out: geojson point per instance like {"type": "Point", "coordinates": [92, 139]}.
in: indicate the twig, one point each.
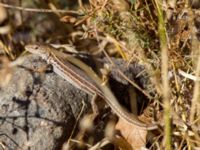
{"type": "Point", "coordinates": [38, 10]}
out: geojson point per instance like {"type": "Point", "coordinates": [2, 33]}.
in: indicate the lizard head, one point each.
{"type": "Point", "coordinates": [39, 49]}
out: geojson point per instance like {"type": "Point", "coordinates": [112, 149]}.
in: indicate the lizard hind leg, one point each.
{"type": "Point", "coordinates": [95, 108]}
{"type": "Point", "coordinates": [87, 122]}
{"type": "Point", "coordinates": [97, 104]}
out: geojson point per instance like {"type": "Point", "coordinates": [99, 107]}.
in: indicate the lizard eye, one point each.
{"type": "Point", "coordinates": [36, 47]}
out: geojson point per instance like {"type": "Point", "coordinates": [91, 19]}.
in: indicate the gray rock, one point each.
{"type": "Point", "coordinates": [37, 111]}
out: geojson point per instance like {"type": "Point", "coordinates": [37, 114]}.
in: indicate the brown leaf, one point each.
{"type": "Point", "coordinates": [134, 135]}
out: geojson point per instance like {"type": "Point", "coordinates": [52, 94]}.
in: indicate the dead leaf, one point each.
{"type": "Point", "coordinates": [134, 135]}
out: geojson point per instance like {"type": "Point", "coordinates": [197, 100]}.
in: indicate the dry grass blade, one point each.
{"type": "Point", "coordinates": [164, 70]}
{"type": "Point", "coordinates": [38, 10]}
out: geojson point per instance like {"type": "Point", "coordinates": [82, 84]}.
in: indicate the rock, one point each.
{"type": "Point", "coordinates": [38, 111]}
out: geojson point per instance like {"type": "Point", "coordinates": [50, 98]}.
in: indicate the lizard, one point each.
{"type": "Point", "coordinates": [80, 79]}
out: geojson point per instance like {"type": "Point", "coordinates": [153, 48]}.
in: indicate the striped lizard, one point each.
{"type": "Point", "coordinates": [85, 82]}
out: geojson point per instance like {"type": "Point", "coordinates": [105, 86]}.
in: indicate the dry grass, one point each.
{"type": "Point", "coordinates": [164, 37]}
